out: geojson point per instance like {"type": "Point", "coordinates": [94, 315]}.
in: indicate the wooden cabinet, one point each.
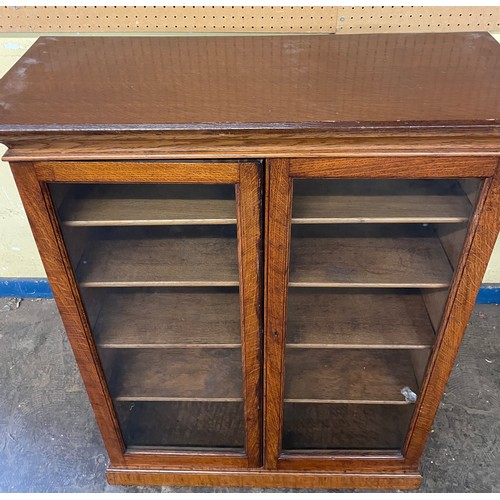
{"type": "Point", "coordinates": [165, 268]}
{"type": "Point", "coordinates": [270, 289]}
{"type": "Point", "coordinates": [364, 278]}
{"type": "Point", "coordinates": [168, 273]}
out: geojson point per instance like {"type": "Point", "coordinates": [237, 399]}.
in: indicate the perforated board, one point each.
{"type": "Point", "coordinates": [417, 19]}
{"type": "Point", "coordinates": [169, 19]}
{"type": "Point", "coordinates": [247, 19]}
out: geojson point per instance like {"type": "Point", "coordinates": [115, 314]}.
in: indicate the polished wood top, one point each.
{"type": "Point", "coordinates": [332, 82]}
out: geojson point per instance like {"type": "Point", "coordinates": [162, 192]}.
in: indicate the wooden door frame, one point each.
{"type": "Point", "coordinates": [32, 180]}
{"type": "Point", "coordinates": [481, 237]}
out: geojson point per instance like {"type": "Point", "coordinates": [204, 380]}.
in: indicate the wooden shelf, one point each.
{"type": "Point", "coordinates": [131, 257]}
{"type": "Point", "coordinates": [322, 427]}
{"type": "Point", "coordinates": [181, 424]}
{"type": "Point", "coordinates": [348, 376]}
{"type": "Point", "coordinates": [169, 318]}
{"type": "Point", "coordinates": [389, 201]}
{"type": "Point", "coordinates": [174, 374]}
{"type": "Point", "coordinates": [367, 319]}
{"type": "Point", "coordinates": [405, 256]}
{"type": "Point", "coordinates": [148, 205]}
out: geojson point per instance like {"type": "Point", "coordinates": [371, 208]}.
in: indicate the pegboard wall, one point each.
{"type": "Point", "coordinates": [85, 19]}
{"type": "Point", "coordinates": [168, 19]}
{"type": "Point", "coordinates": [417, 19]}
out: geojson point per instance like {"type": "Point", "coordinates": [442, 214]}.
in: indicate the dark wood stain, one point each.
{"type": "Point", "coordinates": [395, 201]}
{"type": "Point", "coordinates": [373, 376]}
{"type": "Point", "coordinates": [144, 425]}
{"type": "Point", "coordinates": [378, 255]}
{"type": "Point", "coordinates": [159, 256]}
{"type": "Point", "coordinates": [204, 317]}
{"type": "Point", "coordinates": [199, 111]}
{"type": "Point", "coordinates": [261, 83]}
{"type": "Point", "coordinates": [148, 205]}
{"type": "Point", "coordinates": [281, 173]}
{"type": "Point", "coordinates": [327, 428]}
{"type": "Point", "coordinates": [173, 374]}
{"type": "Point", "coordinates": [364, 318]}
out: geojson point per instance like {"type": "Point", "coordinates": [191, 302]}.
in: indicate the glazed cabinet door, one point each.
{"type": "Point", "coordinates": [365, 259]}
{"type": "Point", "coordinates": [161, 299]}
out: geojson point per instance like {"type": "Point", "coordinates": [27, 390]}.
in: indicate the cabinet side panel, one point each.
{"type": "Point", "coordinates": [278, 216]}
{"type": "Point", "coordinates": [40, 214]}
{"type": "Point", "coordinates": [481, 239]}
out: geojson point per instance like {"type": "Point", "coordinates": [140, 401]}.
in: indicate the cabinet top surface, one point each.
{"type": "Point", "coordinates": [253, 82]}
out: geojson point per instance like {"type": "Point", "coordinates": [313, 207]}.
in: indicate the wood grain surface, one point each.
{"type": "Point", "coordinates": [260, 83]}
{"type": "Point", "coordinates": [42, 219]}
{"type": "Point", "coordinates": [277, 253]}
{"type": "Point", "coordinates": [164, 257]}
{"type": "Point", "coordinates": [174, 374]}
{"type": "Point", "coordinates": [148, 205]}
{"type": "Point", "coordinates": [409, 479]}
{"type": "Point", "coordinates": [357, 319]}
{"type": "Point", "coordinates": [280, 174]}
{"type": "Point", "coordinates": [320, 201]}
{"type": "Point", "coordinates": [391, 168]}
{"type": "Point", "coordinates": [435, 302]}
{"type": "Point", "coordinates": [353, 142]}
{"type": "Point", "coordinates": [179, 172]}
{"type": "Point", "coordinates": [250, 257]}
{"type": "Point", "coordinates": [481, 238]}
{"type": "Point", "coordinates": [347, 376]}
{"type": "Point", "coordinates": [362, 255]}
{"type": "Point", "coordinates": [182, 425]}
{"type": "Point", "coordinates": [205, 318]}
{"type": "Point", "coordinates": [419, 106]}
{"type": "Point", "coordinates": [330, 428]}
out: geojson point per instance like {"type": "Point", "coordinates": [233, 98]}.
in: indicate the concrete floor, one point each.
{"type": "Point", "coordinates": [49, 440]}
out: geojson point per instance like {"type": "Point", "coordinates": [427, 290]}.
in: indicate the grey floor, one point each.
{"type": "Point", "coordinates": [49, 441]}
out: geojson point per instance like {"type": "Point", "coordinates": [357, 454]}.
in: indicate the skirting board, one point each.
{"type": "Point", "coordinates": [39, 288]}
{"type": "Point", "coordinates": [489, 294]}
{"type": "Point", "coordinates": [24, 288]}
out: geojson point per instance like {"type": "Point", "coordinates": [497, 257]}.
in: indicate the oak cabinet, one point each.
{"type": "Point", "coordinates": [260, 304]}
{"type": "Point", "coordinates": [168, 274]}
{"type": "Point", "coordinates": [363, 277]}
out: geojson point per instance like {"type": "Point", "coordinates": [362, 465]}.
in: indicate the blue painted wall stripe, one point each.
{"type": "Point", "coordinates": [40, 289]}
{"type": "Point", "coordinates": [25, 288]}
{"type": "Point", "coordinates": [489, 294]}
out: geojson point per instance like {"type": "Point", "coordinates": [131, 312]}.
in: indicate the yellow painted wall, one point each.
{"type": "Point", "coordinates": [18, 253]}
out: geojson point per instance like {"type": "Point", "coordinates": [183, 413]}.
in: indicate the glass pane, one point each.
{"type": "Point", "coordinates": [157, 268]}
{"type": "Point", "coordinates": [328, 427]}
{"type": "Point", "coordinates": [371, 263]}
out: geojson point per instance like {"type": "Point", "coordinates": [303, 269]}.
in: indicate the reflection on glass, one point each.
{"type": "Point", "coordinates": [371, 263]}
{"type": "Point", "coordinates": [157, 269]}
